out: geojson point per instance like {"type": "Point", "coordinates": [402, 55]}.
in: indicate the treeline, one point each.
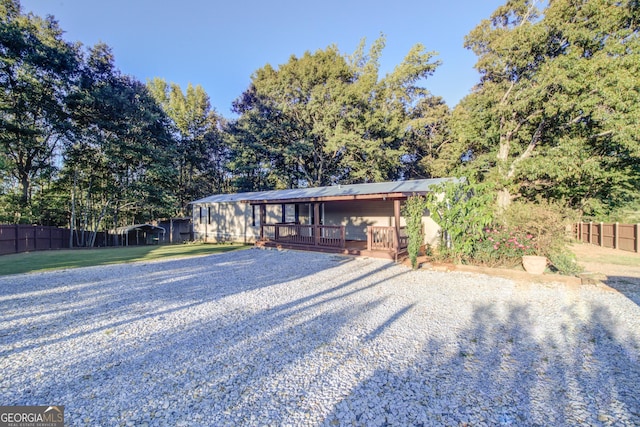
{"type": "Point", "coordinates": [555, 115]}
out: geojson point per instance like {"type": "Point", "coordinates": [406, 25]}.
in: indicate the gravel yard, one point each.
{"type": "Point", "coordinates": [259, 337]}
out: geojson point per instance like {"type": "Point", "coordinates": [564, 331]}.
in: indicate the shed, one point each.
{"type": "Point", "coordinates": [177, 230]}
{"type": "Point", "coordinates": [139, 234]}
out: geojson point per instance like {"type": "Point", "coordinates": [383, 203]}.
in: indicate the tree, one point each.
{"type": "Point", "coordinates": [428, 133]}
{"type": "Point", "coordinates": [118, 162]}
{"type": "Point", "coordinates": [37, 68]}
{"type": "Point", "coordinates": [325, 118]}
{"type": "Point", "coordinates": [554, 112]}
{"type": "Point", "coordinates": [201, 153]}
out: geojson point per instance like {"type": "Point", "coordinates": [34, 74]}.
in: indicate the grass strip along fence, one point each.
{"type": "Point", "coordinates": [73, 258]}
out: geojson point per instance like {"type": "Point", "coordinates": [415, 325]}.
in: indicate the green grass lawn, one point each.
{"type": "Point", "coordinates": [73, 258]}
{"type": "Point", "coordinates": [593, 253]}
{"type": "Point", "coordinates": [621, 259]}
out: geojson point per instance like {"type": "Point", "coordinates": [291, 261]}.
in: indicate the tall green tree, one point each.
{"type": "Point", "coordinates": [555, 112]}
{"type": "Point", "coordinates": [327, 118]}
{"type": "Point", "coordinates": [37, 69]}
{"type": "Point", "coordinates": [427, 134]}
{"type": "Point", "coordinates": [118, 163]}
{"type": "Point", "coordinates": [201, 151]}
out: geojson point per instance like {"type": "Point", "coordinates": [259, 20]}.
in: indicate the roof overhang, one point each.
{"type": "Point", "coordinates": [341, 198]}
{"type": "Point", "coordinates": [396, 190]}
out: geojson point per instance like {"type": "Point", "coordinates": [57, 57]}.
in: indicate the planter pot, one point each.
{"type": "Point", "coordinates": [534, 264]}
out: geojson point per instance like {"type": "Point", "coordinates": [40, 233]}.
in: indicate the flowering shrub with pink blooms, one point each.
{"type": "Point", "coordinates": [503, 247]}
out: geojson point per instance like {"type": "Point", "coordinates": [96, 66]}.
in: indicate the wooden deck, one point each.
{"type": "Point", "coordinates": [352, 247]}
{"type": "Point", "coordinates": [381, 241]}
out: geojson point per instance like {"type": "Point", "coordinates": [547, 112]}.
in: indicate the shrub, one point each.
{"type": "Point", "coordinates": [502, 246]}
{"type": "Point", "coordinates": [413, 210]}
{"type": "Point", "coordinates": [565, 263]}
{"type": "Point", "coordinates": [548, 224]}
{"type": "Point", "coordinates": [545, 221]}
{"type": "Point", "coordinates": [462, 210]}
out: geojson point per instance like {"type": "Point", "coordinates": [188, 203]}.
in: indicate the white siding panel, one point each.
{"type": "Point", "coordinates": [225, 222]}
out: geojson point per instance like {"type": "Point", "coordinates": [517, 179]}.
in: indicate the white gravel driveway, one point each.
{"type": "Point", "coordinates": [259, 337]}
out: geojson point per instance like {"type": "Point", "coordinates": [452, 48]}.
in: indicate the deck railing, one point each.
{"type": "Point", "coordinates": [333, 236]}
{"type": "Point", "coordinates": [305, 234]}
{"type": "Point", "coordinates": [384, 239]}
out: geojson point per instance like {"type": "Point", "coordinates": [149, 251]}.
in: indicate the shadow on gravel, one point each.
{"type": "Point", "coordinates": [113, 296]}
{"type": "Point", "coordinates": [501, 372]}
{"type": "Point", "coordinates": [230, 350]}
{"type": "Point", "coordinates": [628, 286]}
{"type": "Point", "coordinates": [172, 349]}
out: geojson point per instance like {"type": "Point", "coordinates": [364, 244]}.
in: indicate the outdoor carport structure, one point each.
{"type": "Point", "coordinates": [139, 234]}
{"type": "Point", "coordinates": [360, 219]}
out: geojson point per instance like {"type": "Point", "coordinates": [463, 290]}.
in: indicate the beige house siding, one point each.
{"type": "Point", "coordinates": [356, 216]}
{"type": "Point", "coordinates": [230, 221]}
{"type": "Point", "coordinates": [431, 231]}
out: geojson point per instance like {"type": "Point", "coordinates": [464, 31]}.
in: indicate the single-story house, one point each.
{"type": "Point", "coordinates": [356, 219]}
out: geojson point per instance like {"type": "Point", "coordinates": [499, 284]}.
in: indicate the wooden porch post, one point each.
{"type": "Point", "coordinates": [316, 223]}
{"type": "Point", "coordinates": [263, 215]}
{"type": "Point", "coordinates": [396, 215]}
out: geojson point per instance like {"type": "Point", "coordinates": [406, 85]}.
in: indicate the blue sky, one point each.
{"type": "Point", "coordinates": [219, 44]}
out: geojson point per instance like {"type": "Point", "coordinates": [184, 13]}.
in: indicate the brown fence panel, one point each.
{"type": "Point", "coordinates": [59, 238]}
{"type": "Point", "coordinates": [608, 236]}
{"type": "Point", "coordinates": [625, 237]}
{"type": "Point", "coordinates": [584, 235]}
{"type": "Point", "coordinates": [26, 240]}
{"type": "Point", "coordinates": [8, 235]}
{"type": "Point", "coordinates": [43, 238]}
{"type": "Point", "coordinates": [595, 234]}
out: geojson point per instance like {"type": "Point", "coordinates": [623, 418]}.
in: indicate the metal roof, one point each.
{"type": "Point", "coordinates": [334, 192]}
{"type": "Point", "coordinates": [141, 227]}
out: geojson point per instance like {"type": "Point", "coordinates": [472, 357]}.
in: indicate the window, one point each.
{"type": "Point", "coordinates": [253, 215]}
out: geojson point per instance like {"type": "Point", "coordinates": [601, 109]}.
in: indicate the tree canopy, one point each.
{"type": "Point", "coordinates": [555, 114]}
{"type": "Point", "coordinates": [327, 118]}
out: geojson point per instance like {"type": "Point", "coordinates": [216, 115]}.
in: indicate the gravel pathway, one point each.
{"type": "Point", "coordinates": [261, 337]}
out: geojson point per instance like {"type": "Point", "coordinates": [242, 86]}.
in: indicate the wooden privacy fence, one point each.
{"type": "Point", "coordinates": [625, 237]}
{"type": "Point", "coordinates": [15, 238]}
{"type": "Point", "coordinates": [26, 238]}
